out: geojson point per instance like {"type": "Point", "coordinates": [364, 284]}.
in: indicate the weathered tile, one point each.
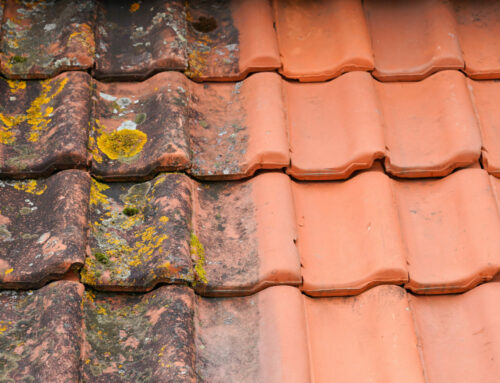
{"type": "Point", "coordinates": [367, 338]}
{"type": "Point", "coordinates": [43, 38]}
{"type": "Point", "coordinates": [323, 39]}
{"type": "Point", "coordinates": [238, 128]}
{"type": "Point", "coordinates": [139, 338]}
{"type": "Point", "coordinates": [43, 228]}
{"type": "Point", "coordinates": [478, 24]}
{"type": "Point", "coordinates": [460, 335]}
{"type": "Point", "coordinates": [140, 234]}
{"type": "Point", "coordinates": [451, 228]}
{"type": "Point", "coordinates": [412, 39]}
{"type": "Point", "coordinates": [349, 235]}
{"type": "Point", "coordinates": [136, 39]}
{"type": "Point", "coordinates": [246, 235]}
{"type": "Point", "coordinates": [260, 338]}
{"type": "Point", "coordinates": [335, 128]}
{"type": "Point", "coordinates": [230, 38]}
{"type": "Point", "coordinates": [431, 126]}
{"type": "Point", "coordinates": [41, 333]}
{"type": "Point", "coordinates": [44, 125]}
{"type": "Point", "coordinates": [139, 129]}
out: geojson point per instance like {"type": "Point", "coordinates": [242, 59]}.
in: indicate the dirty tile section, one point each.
{"type": "Point", "coordinates": [323, 39]}
{"type": "Point", "coordinates": [138, 338]}
{"type": "Point", "coordinates": [43, 38]}
{"type": "Point", "coordinates": [136, 39]}
{"type": "Point", "coordinates": [44, 125]}
{"type": "Point", "coordinates": [349, 235]}
{"type": "Point", "coordinates": [245, 231]}
{"type": "Point", "coordinates": [139, 234]}
{"type": "Point", "coordinates": [40, 334]}
{"type": "Point", "coordinates": [43, 227]}
{"type": "Point", "coordinates": [459, 335]}
{"type": "Point", "coordinates": [228, 39]}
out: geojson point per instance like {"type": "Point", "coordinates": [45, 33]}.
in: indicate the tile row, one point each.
{"type": "Point", "coordinates": [132, 131]}
{"type": "Point", "coordinates": [227, 39]}
{"type": "Point", "coordinates": [235, 238]}
{"type": "Point", "coordinates": [277, 335]}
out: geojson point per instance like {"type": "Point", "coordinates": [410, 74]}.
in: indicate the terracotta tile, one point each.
{"type": "Point", "coordinates": [139, 234]}
{"type": "Point", "coordinates": [459, 335]}
{"type": "Point", "coordinates": [230, 38]}
{"type": "Point", "coordinates": [478, 23]}
{"type": "Point", "coordinates": [41, 39]}
{"type": "Point", "coordinates": [451, 228]}
{"type": "Point", "coordinates": [238, 128]}
{"type": "Point", "coordinates": [368, 338]}
{"type": "Point", "coordinates": [139, 129]}
{"type": "Point", "coordinates": [484, 94]}
{"type": "Point", "coordinates": [43, 125]}
{"type": "Point", "coordinates": [42, 228]}
{"type": "Point", "coordinates": [247, 233]}
{"type": "Point", "coordinates": [132, 338]}
{"type": "Point", "coordinates": [136, 39]}
{"type": "Point", "coordinates": [40, 333]}
{"type": "Point", "coordinates": [349, 235]}
{"type": "Point", "coordinates": [412, 39]}
{"type": "Point", "coordinates": [335, 128]}
{"type": "Point", "coordinates": [321, 40]}
{"type": "Point", "coordinates": [431, 127]}
{"type": "Point", "coordinates": [260, 338]}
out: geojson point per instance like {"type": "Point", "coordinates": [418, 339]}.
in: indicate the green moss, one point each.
{"type": "Point", "coordinates": [130, 211]}
{"type": "Point", "coordinates": [101, 257]}
{"type": "Point", "coordinates": [139, 119]}
{"type": "Point", "coordinates": [18, 59]}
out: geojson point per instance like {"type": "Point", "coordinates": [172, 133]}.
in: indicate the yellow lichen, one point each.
{"type": "Point", "coordinates": [8, 271]}
{"type": "Point", "coordinates": [121, 144]}
{"type": "Point", "coordinates": [30, 186]}
{"type": "Point", "coordinates": [198, 251]}
{"type": "Point", "coordinates": [15, 86]}
{"type": "Point", "coordinates": [96, 195]}
{"type": "Point", "coordinates": [163, 219]}
{"type": "Point", "coordinates": [84, 36]}
{"type": "Point", "coordinates": [134, 7]}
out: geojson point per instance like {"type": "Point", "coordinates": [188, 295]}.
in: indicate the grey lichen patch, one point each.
{"type": "Point", "coordinates": [5, 234]}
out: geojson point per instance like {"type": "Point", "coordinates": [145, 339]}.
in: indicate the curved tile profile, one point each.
{"type": "Point", "coordinates": [43, 38]}
{"type": "Point", "coordinates": [349, 235]}
{"type": "Point", "coordinates": [44, 125]}
{"type": "Point", "coordinates": [375, 329]}
{"type": "Point", "coordinates": [43, 228]}
{"type": "Point", "coordinates": [478, 24]}
{"type": "Point", "coordinates": [137, 39]}
{"type": "Point", "coordinates": [334, 128]}
{"type": "Point", "coordinates": [411, 40]}
{"type": "Point", "coordinates": [40, 333]}
{"type": "Point", "coordinates": [321, 40]}
{"type": "Point", "coordinates": [132, 338]}
{"type": "Point", "coordinates": [450, 227]}
{"type": "Point", "coordinates": [460, 335]}
{"type": "Point", "coordinates": [431, 126]}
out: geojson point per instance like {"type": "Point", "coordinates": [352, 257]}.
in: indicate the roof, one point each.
{"type": "Point", "coordinates": [249, 191]}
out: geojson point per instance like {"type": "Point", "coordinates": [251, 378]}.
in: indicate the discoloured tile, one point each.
{"type": "Point", "coordinates": [322, 39]}
{"type": "Point", "coordinates": [43, 38]}
{"type": "Point", "coordinates": [136, 39]}
{"type": "Point", "coordinates": [139, 129]}
{"type": "Point", "coordinates": [140, 234]}
{"type": "Point", "coordinates": [43, 228]}
{"type": "Point", "coordinates": [139, 338]}
{"type": "Point", "coordinates": [41, 334]}
{"type": "Point", "coordinates": [44, 125]}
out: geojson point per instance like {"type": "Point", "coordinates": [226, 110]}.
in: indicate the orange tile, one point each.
{"type": "Point", "coordinates": [478, 24]}
{"type": "Point", "coordinates": [412, 39]}
{"type": "Point", "coordinates": [322, 39]}
{"type": "Point", "coordinates": [335, 128]}
{"type": "Point", "coordinates": [485, 95]}
{"type": "Point", "coordinates": [369, 338]}
{"type": "Point", "coordinates": [451, 228]}
{"type": "Point", "coordinates": [349, 235]}
{"type": "Point", "coordinates": [431, 127]}
{"type": "Point", "coordinates": [460, 335]}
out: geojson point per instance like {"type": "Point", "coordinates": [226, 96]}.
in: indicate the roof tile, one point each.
{"type": "Point", "coordinates": [321, 40]}
{"type": "Point", "coordinates": [43, 228]}
{"type": "Point", "coordinates": [412, 39]}
{"type": "Point", "coordinates": [41, 39]}
{"type": "Point", "coordinates": [45, 125]}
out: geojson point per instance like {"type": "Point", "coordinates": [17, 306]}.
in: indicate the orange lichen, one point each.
{"type": "Point", "coordinates": [134, 7]}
